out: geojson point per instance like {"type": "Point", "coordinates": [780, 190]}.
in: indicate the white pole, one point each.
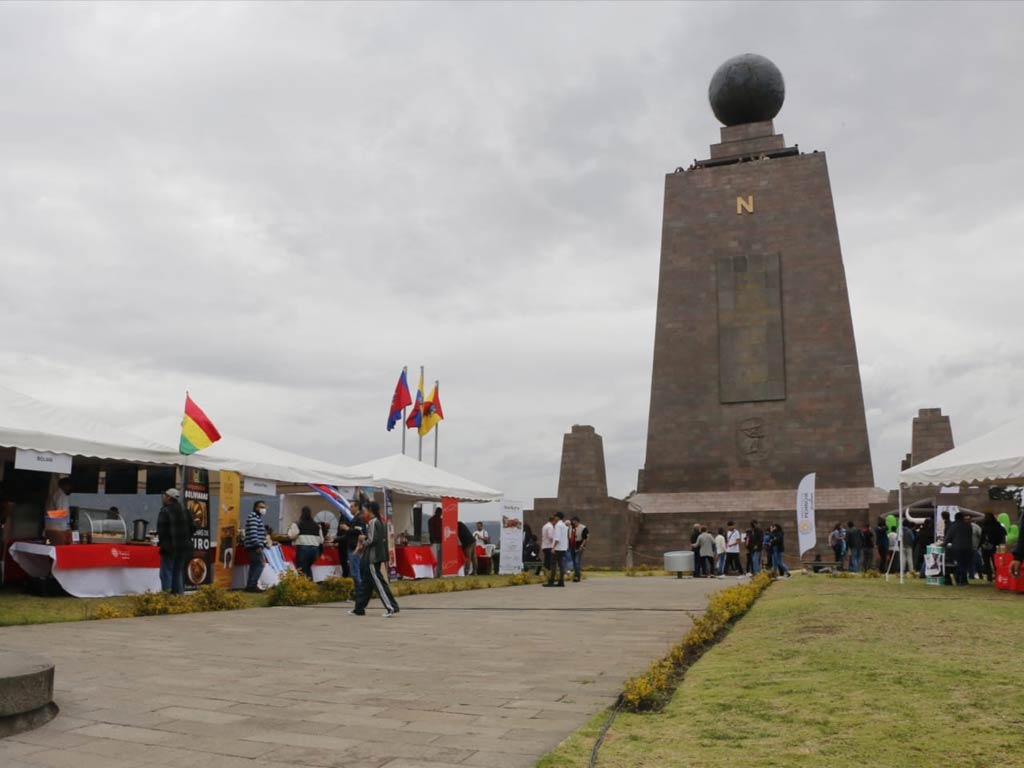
{"type": "Point", "coordinates": [422, 394]}
{"type": "Point", "coordinates": [405, 370]}
{"type": "Point", "coordinates": [899, 538]}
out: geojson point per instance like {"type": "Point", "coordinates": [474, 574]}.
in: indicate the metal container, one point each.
{"type": "Point", "coordinates": [679, 562]}
{"type": "Point", "coordinates": [139, 527]}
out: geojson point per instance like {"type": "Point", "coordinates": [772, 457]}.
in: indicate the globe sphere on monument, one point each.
{"type": "Point", "coordinates": [746, 89]}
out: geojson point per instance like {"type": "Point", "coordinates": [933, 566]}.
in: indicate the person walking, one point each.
{"type": "Point", "coordinates": [547, 540]}
{"type": "Point", "coordinates": [698, 564]}
{"type": "Point", "coordinates": [837, 540]}
{"type": "Point", "coordinates": [468, 544]}
{"type": "Point", "coordinates": [855, 544]}
{"type": "Point", "coordinates": [435, 530]}
{"type": "Point", "coordinates": [868, 537]}
{"type": "Point", "coordinates": [732, 549]}
{"type": "Point", "coordinates": [375, 547]}
{"type": "Point", "coordinates": [560, 545]}
{"type": "Point", "coordinates": [175, 527]}
{"type": "Point", "coordinates": [706, 548]}
{"type": "Point", "coordinates": [308, 538]}
{"type": "Point", "coordinates": [720, 554]}
{"type": "Point", "coordinates": [958, 547]}
{"type": "Point", "coordinates": [255, 538]}
{"type": "Point", "coordinates": [882, 542]}
{"type": "Point", "coordinates": [578, 535]}
{"type": "Point", "coordinates": [779, 552]}
{"type": "Point", "coordinates": [993, 535]}
{"type": "Point", "coordinates": [755, 543]}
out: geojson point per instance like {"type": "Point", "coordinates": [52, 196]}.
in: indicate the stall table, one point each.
{"type": "Point", "coordinates": [92, 570]}
{"type": "Point", "coordinates": [415, 562]}
{"type": "Point", "coordinates": [107, 570]}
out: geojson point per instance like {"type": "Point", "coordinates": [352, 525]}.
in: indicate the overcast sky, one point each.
{"type": "Point", "coordinates": [278, 206]}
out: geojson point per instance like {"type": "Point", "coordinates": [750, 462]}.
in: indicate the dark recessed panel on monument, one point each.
{"type": "Point", "coordinates": [755, 380]}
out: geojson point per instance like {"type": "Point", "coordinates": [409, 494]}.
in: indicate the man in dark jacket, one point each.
{"type": "Point", "coordinates": [755, 543]}
{"type": "Point", "coordinates": [174, 526]}
{"type": "Point", "coordinates": [375, 555]}
{"type": "Point", "coordinates": [855, 542]}
{"type": "Point", "coordinates": [958, 541]}
{"type": "Point", "coordinates": [882, 542]}
{"type": "Point", "coordinates": [435, 528]}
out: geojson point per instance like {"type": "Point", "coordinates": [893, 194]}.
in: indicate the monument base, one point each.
{"type": "Point", "coordinates": [667, 519]}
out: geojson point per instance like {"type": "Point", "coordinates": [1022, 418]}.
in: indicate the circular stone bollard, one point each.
{"type": "Point", "coordinates": [679, 562]}
{"type": "Point", "coordinates": [26, 692]}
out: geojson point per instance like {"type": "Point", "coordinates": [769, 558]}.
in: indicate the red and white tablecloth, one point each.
{"type": "Point", "coordinates": [106, 570]}
{"type": "Point", "coordinates": [93, 570]}
{"type": "Point", "coordinates": [415, 562]}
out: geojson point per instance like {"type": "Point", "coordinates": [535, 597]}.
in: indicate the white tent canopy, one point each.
{"type": "Point", "coordinates": [253, 459]}
{"type": "Point", "coordinates": [31, 424]}
{"type": "Point", "coordinates": [999, 455]}
{"type": "Point", "coordinates": [416, 478]}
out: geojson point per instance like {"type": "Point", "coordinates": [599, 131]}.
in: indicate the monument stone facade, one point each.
{"type": "Point", "coordinates": [755, 376]}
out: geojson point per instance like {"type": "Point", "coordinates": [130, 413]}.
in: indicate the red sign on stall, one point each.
{"type": "Point", "coordinates": [450, 549]}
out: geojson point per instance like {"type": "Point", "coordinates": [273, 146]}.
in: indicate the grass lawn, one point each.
{"type": "Point", "coordinates": [840, 672]}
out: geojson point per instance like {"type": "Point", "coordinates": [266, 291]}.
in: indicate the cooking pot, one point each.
{"type": "Point", "coordinates": [139, 529]}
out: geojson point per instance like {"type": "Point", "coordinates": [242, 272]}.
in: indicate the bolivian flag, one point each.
{"type": "Point", "coordinates": [197, 431]}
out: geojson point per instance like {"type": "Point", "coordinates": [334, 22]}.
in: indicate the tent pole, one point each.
{"type": "Point", "coordinates": [900, 537]}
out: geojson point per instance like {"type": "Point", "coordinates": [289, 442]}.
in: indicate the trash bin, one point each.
{"type": "Point", "coordinates": [679, 563]}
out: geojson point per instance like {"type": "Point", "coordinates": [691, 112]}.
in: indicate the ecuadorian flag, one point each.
{"type": "Point", "coordinates": [197, 431]}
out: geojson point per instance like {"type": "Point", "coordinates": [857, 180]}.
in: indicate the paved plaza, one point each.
{"type": "Point", "coordinates": [487, 678]}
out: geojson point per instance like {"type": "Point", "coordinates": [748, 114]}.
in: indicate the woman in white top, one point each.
{"type": "Point", "coordinates": [308, 539]}
{"type": "Point", "coordinates": [720, 554]}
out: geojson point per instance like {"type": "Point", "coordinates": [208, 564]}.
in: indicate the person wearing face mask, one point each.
{"type": "Point", "coordinates": [255, 536]}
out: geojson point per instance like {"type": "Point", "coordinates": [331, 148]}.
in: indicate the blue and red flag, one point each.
{"type": "Point", "coordinates": [416, 417]}
{"type": "Point", "coordinates": [334, 495]}
{"type": "Point", "coordinates": [399, 401]}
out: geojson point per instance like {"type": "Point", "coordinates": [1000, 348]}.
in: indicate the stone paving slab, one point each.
{"type": "Point", "coordinates": [487, 678]}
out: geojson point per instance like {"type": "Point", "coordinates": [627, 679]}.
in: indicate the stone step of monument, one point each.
{"type": "Point", "coordinates": [26, 692]}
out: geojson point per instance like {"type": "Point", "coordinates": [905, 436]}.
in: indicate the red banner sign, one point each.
{"type": "Point", "coordinates": [450, 549]}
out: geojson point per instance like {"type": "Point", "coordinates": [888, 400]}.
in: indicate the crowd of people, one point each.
{"type": "Point", "coordinates": [717, 555]}
{"type": "Point", "coordinates": [969, 541]}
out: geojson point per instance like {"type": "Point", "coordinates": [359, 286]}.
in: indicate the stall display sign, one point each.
{"type": "Point", "coordinates": [511, 537]}
{"type": "Point", "coordinates": [389, 522]}
{"type": "Point", "coordinates": [259, 487]}
{"type": "Point", "coordinates": [42, 461]}
{"type": "Point", "coordinates": [230, 501]}
{"type": "Point", "coordinates": [450, 549]}
{"type": "Point", "coordinates": [197, 503]}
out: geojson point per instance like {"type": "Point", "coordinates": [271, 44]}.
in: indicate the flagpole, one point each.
{"type": "Point", "coordinates": [421, 417]}
{"type": "Point", "coordinates": [405, 370]}
{"type": "Point", "coordinates": [437, 427]}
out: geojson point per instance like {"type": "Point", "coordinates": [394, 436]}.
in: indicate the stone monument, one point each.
{"type": "Point", "coordinates": [583, 491]}
{"type": "Point", "coordinates": [755, 378]}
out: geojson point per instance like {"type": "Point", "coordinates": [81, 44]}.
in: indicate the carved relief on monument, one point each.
{"type": "Point", "coordinates": [751, 359]}
{"type": "Point", "coordinates": [752, 440]}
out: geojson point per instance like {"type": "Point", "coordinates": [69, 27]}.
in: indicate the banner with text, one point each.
{"type": "Point", "coordinates": [450, 536]}
{"type": "Point", "coordinates": [805, 514]}
{"type": "Point", "coordinates": [511, 537]}
{"type": "Point", "coordinates": [227, 528]}
{"type": "Point", "coordinates": [197, 504]}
